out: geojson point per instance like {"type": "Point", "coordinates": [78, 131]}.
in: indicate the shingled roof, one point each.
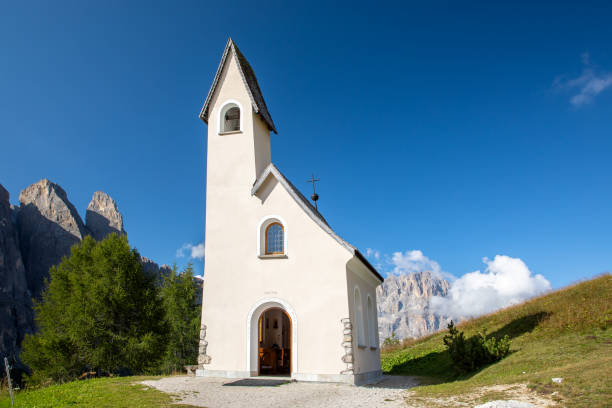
{"type": "Point", "coordinates": [311, 211]}
{"type": "Point", "coordinates": [250, 81]}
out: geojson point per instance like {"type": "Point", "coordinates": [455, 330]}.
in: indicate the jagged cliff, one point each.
{"type": "Point", "coordinates": [49, 226]}
{"type": "Point", "coordinates": [34, 237]}
{"type": "Point", "coordinates": [403, 305]}
{"type": "Point", "coordinates": [16, 317]}
{"type": "Point", "coordinates": [103, 216]}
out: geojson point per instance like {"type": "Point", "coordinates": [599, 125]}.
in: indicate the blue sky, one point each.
{"type": "Point", "coordinates": [460, 129]}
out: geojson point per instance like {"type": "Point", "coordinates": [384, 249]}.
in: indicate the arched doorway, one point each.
{"type": "Point", "coordinates": [274, 342]}
{"type": "Point", "coordinates": [252, 333]}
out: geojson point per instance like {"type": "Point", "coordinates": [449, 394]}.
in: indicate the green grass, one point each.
{"type": "Point", "coordinates": [565, 334]}
{"type": "Point", "coordinates": [95, 393]}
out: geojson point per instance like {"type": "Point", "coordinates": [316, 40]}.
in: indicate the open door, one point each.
{"type": "Point", "coordinates": [274, 338]}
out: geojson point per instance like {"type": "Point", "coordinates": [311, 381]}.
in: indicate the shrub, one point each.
{"type": "Point", "coordinates": [391, 341]}
{"type": "Point", "coordinates": [477, 351]}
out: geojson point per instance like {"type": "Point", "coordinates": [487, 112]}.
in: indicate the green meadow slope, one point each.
{"type": "Point", "coordinates": [567, 334]}
{"type": "Point", "coordinates": [115, 392]}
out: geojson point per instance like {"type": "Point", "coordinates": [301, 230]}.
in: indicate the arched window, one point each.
{"type": "Point", "coordinates": [372, 323]}
{"type": "Point", "coordinates": [359, 320]}
{"type": "Point", "coordinates": [274, 239]}
{"type": "Point", "coordinates": [229, 118]}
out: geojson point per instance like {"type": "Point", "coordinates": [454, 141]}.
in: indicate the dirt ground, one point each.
{"type": "Point", "coordinates": [253, 393]}
{"type": "Point", "coordinates": [391, 392]}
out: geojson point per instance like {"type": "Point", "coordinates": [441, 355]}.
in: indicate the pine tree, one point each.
{"type": "Point", "coordinates": [178, 294]}
{"type": "Point", "coordinates": [99, 312]}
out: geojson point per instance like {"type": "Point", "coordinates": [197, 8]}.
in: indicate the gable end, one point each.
{"type": "Point", "coordinates": [250, 82]}
{"type": "Point", "coordinates": [312, 212]}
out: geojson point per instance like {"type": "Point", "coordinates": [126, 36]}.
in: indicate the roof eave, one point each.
{"type": "Point", "coordinates": [271, 169]}
{"type": "Point", "coordinates": [204, 112]}
{"type": "Point", "coordinates": [368, 265]}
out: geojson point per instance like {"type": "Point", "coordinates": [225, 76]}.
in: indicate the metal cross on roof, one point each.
{"type": "Point", "coordinates": [314, 195]}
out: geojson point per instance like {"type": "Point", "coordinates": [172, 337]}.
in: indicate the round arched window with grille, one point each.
{"type": "Point", "coordinates": [275, 239]}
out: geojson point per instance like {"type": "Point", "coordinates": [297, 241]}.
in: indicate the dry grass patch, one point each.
{"type": "Point", "coordinates": [476, 396]}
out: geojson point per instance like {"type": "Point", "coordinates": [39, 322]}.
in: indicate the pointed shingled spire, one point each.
{"type": "Point", "coordinates": [250, 81]}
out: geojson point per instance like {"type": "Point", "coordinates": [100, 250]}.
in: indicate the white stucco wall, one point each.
{"type": "Point", "coordinates": [367, 355]}
{"type": "Point", "coordinates": [312, 283]}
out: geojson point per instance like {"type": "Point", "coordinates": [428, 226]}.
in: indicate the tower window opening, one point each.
{"type": "Point", "coordinates": [231, 120]}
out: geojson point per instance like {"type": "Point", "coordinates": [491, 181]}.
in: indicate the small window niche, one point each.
{"type": "Point", "coordinates": [360, 322]}
{"type": "Point", "coordinates": [230, 120]}
{"type": "Point", "coordinates": [372, 324]}
{"type": "Point", "coordinates": [272, 236]}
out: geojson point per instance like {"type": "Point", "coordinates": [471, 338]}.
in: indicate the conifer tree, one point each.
{"type": "Point", "coordinates": [178, 294]}
{"type": "Point", "coordinates": [99, 312]}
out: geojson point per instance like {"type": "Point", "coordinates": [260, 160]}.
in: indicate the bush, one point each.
{"type": "Point", "coordinates": [99, 312]}
{"type": "Point", "coordinates": [391, 342]}
{"type": "Point", "coordinates": [477, 351]}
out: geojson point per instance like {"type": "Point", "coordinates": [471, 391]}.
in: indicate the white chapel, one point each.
{"type": "Point", "coordinates": [283, 293]}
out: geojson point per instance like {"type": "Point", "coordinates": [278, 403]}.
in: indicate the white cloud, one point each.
{"type": "Point", "coordinates": [180, 253]}
{"type": "Point", "coordinates": [193, 251]}
{"type": "Point", "coordinates": [197, 251]}
{"type": "Point", "coordinates": [506, 281]}
{"type": "Point", "coordinates": [372, 253]}
{"type": "Point", "coordinates": [588, 85]}
{"type": "Point", "coordinates": [413, 261]}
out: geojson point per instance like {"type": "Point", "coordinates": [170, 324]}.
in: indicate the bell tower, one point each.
{"type": "Point", "coordinates": [238, 151]}
{"type": "Point", "coordinates": [239, 124]}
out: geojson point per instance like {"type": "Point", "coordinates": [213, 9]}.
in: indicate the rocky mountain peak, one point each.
{"type": "Point", "coordinates": [152, 268]}
{"type": "Point", "coordinates": [49, 225]}
{"type": "Point", "coordinates": [419, 284]}
{"type": "Point", "coordinates": [103, 216]}
{"type": "Point", "coordinates": [48, 200]}
{"type": "Point", "coordinates": [16, 317]}
{"type": "Point", "coordinates": [4, 195]}
{"type": "Point", "coordinates": [403, 304]}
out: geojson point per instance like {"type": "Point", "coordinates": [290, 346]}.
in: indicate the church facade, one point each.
{"type": "Point", "coordinates": [283, 294]}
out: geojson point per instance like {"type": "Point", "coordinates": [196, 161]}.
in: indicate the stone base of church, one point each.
{"type": "Point", "coordinates": [354, 379]}
{"type": "Point", "coordinates": [223, 374]}
{"type": "Point", "coordinates": [370, 377]}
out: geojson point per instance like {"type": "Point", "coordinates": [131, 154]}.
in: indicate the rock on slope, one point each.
{"type": "Point", "coordinates": [49, 226]}
{"type": "Point", "coordinates": [16, 317]}
{"type": "Point", "coordinates": [152, 268]}
{"type": "Point", "coordinates": [103, 216]}
{"type": "Point", "coordinates": [403, 305]}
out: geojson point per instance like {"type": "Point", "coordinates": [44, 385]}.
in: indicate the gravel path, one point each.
{"type": "Point", "coordinates": [232, 393]}
{"type": "Point", "coordinates": [505, 404]}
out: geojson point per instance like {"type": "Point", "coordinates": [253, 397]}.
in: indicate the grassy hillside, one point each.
{"type": "Point", "coordinates": [565, 334]}
{"type": "Point", "coordinates": [94, 393]}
